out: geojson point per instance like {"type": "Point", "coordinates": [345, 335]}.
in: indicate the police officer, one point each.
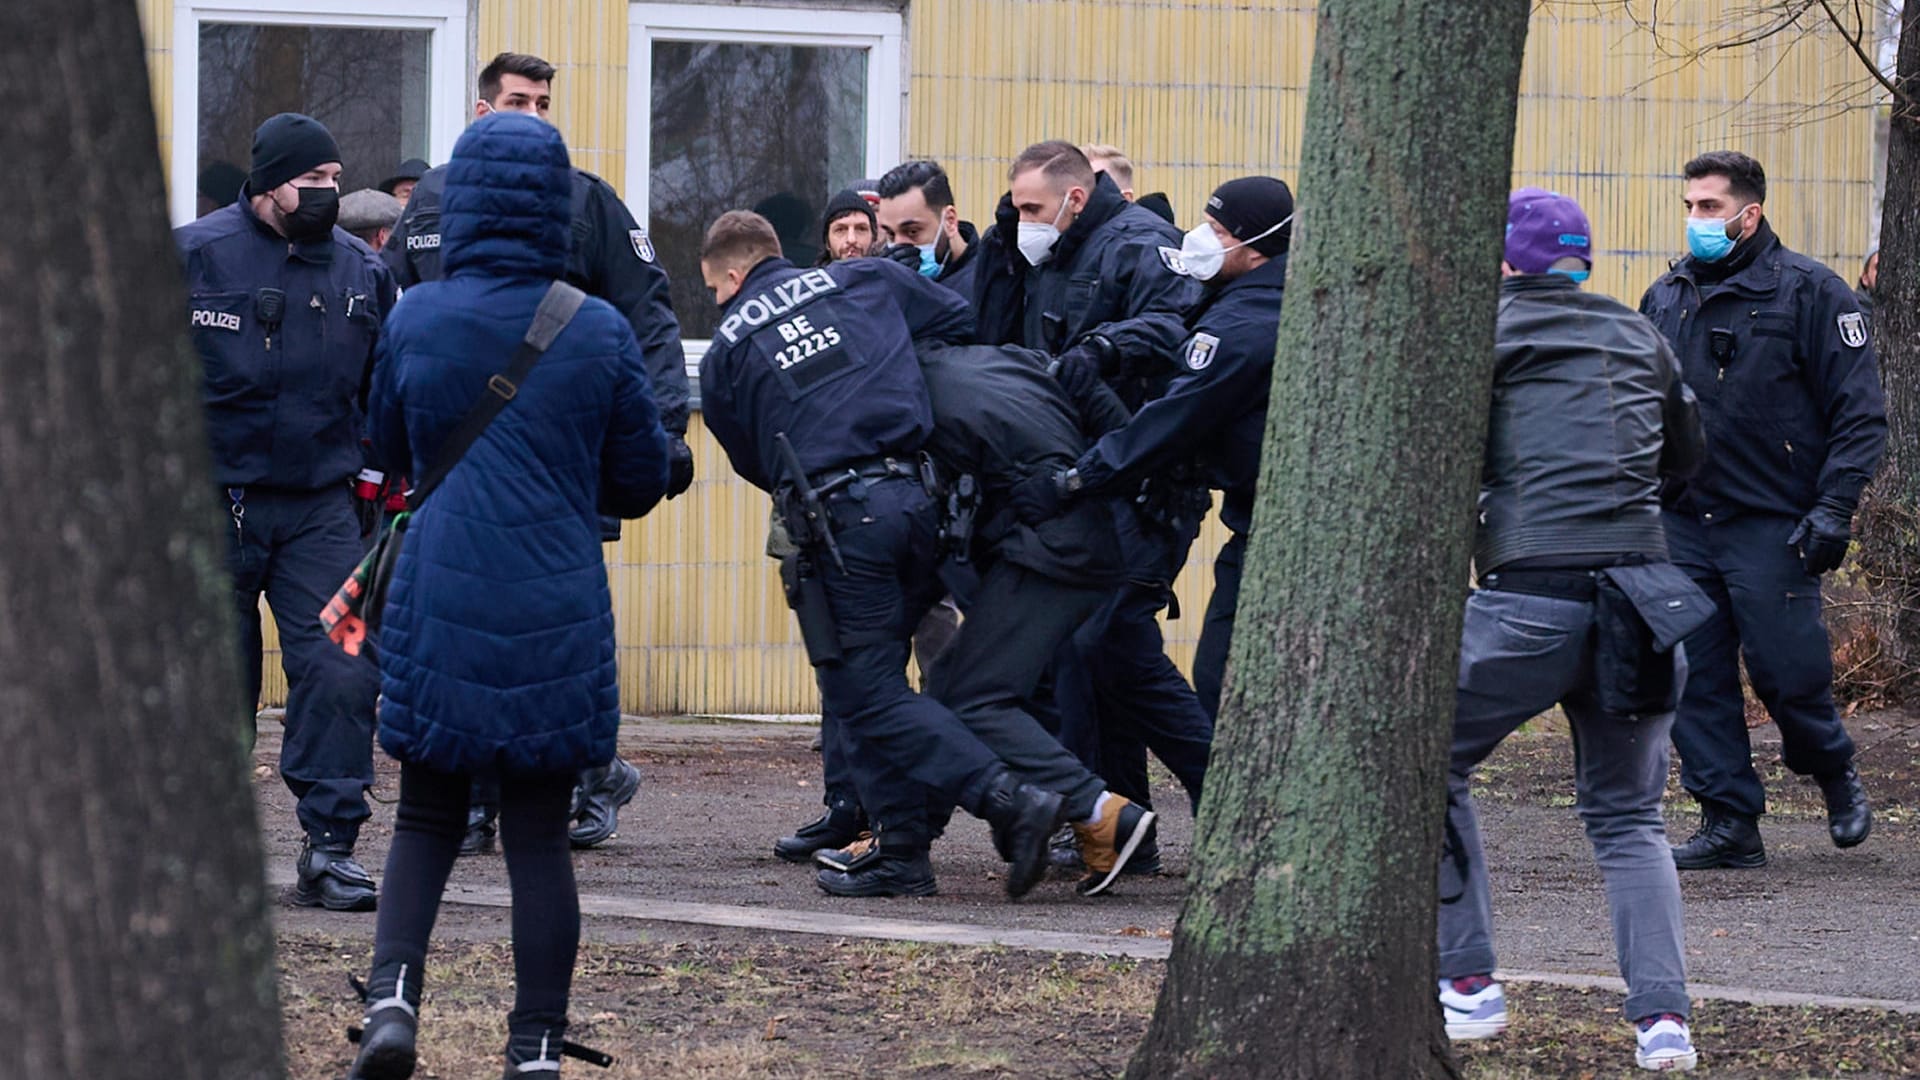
{"type": "Point", "coordinates": [1073, 269]}
{"type": "Point", "coordinates": [285, 309]}
{"type": "Point", "coordinates": [917, 214]}
{"type": "Point", "coordinates": [1776, 346]}
{"type": "Point", "coordinates": [998, 419]}
{"type": "Point", "coordinates": [1869, 277]}
{"type": "Point", "coordinates": [1578, 605]}
{"type": "Point", "coordinates": [1215, 409]}
{"type": "Point", "coordinates": [613, 259]}
{"type": "Point", "coordinates": [811, 385]}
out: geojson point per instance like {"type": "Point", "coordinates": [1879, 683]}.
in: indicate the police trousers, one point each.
{"type": "Point", "coordinates": [1015, 621]}
{"type": "Point", "coordinates": [1118, 681]}
{"type": "Point", "coordinates": [296, 547]}
{"type": "Point", "coordinates": [1216, 630]}
{"type": "Point", "coordinates": [886, 531]}
{"type": "Point", "coordinates": [1767, 610]}
{"type": "Point", "coordinates": [1520, 655]}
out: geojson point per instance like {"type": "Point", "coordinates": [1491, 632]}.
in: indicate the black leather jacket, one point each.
{"type": "Point", "coordinates": [1589, 413]}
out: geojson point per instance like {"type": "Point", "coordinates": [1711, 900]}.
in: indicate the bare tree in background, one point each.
{"type": "Point", "coordinates": [133, 923]}
{"type": "Point", "coordinates": [1306, 947]}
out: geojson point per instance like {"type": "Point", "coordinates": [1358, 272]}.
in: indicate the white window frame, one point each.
{"type": "Point", "coordinates": [881, 33]}
{"type": "Point", "coordinates": [447, 75]}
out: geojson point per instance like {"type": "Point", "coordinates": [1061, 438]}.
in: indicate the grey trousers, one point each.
{"type": "Point", "coordinates": [1520, 655]}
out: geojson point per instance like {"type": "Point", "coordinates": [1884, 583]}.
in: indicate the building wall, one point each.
{"type": "Point", "coordinates": [1196, 91]}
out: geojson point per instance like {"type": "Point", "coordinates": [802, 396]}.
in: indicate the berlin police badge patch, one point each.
{"type": "Point", "coordinates": [1853, 329]}
{"type": "Point", "coordinates": [642, 246]}
{"type": "Point", "coordinates": [1200, 351]}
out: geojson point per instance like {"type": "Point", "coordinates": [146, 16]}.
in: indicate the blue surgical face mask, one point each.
{"type": "Point", "coordinates": [1707, 238]}
{"type": "Point", "coordinates": [929, 262]}
{"type": "Point", "coordinates": [1579, 276]}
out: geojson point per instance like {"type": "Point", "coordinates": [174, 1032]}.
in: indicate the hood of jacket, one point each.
{"type": "Point", "coordinates": [508, 200]}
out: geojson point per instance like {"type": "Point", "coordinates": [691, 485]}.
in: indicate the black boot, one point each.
{"type": "Point", "coordinates": [330, 878]}
{"type": "Point", "coordinates": [536, 1053]}
{"type": "Point", "coordinates": [1023, 819]}
{"type": "Point", "coordinates": [598, 799]}
{"type": "Point", "coordinates": [482, 825]}
{"type": "Point", "coordinates": [1725, 840]}
{"type": "Point", "coordinates": [897, 871]}
{"type": "Point", "coordinates": [387, 1032]}
{"type": "Point", "coordinates": [840, 826]}
{"type": "Point", "coordinates": [1849, 818]}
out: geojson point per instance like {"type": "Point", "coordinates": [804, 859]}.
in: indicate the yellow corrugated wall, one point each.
{"type": "Point", "coordinates": [1196, 91]}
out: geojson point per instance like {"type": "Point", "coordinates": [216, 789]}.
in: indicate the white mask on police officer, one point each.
{"type": "Point", "coordinates": [1037, 238]}
{"type": "Point", "coordinates": [1202, 253]}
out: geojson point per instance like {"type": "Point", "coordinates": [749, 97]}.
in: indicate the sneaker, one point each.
{"type": "Point", "coordinates": [1664, 1044]}
{"type": "Point", "coordinates": [1475, 1007]}
{"type": "Point", "coordinates": [842, 859]}
{"type": "Point", "coordinates": [598, 799]}
{"type": "Point", "coordinates": [1111, 840]}
{"type": "Point", "coordinates": [388, 1030]}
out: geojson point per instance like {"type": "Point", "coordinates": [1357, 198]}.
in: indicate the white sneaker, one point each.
{"type": "Point", "coordinates": [1481, 1014]}
{"type": "Point", "coordinates": [1664, 1044]}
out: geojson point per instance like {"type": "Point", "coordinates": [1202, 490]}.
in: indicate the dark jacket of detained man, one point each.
{"type": "Point", "coordinates": [1589, 414]}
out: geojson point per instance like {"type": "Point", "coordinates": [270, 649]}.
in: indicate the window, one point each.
{"type": "Point", "coordinates": [753, 108]}
{"type": "Point", "coordinates": [387, 77]}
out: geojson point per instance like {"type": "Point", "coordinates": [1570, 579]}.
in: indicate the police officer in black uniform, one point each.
{"type": "Point", "coordinates": [1777, 349]}
{"type": "Point", "coordinates": [1215, 409]}
{"type": "Point", "coordinates": [613, 259]}
{"type": "Point", "coordinates": [285, 309]}
{"type": "Point", "coordinates": [813, 389]}
{"type": "Point", "coordinates": [1072, 268]}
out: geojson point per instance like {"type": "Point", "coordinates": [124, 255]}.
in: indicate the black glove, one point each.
{"type": "Point", "coordinates": [1039, 497]}
{"type": "Point", "coordinates": [1823, 535]}
{"type": "Point", "coordinates": [1078, 371]}
{"type": "Point", "coordinates": [906, 255]}
{"type": "Point", "coordinates": [679, 466]}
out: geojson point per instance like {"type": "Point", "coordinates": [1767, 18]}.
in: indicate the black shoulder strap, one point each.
{"type": "Point", "coordinates": [556, 310]}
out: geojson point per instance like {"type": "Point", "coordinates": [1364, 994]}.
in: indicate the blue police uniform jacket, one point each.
{"type": "Point", "coordinates": [825, 356]}
{"type": "Point", "coordinates": [283, 389]}
{"type": "Point", "coordinates": [1778, 354]}
{"type": "Point", "coordinates": [1215, 409]}
{"type": "Point", "coordinates": [497, 647]}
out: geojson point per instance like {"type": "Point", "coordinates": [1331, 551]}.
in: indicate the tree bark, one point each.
{"type": "Point", "coordinates": [1889, 553]}
{"type": "Point", "coordinates": [1306, 947]}
{"type": "Point", "coordinates": [133, 922]}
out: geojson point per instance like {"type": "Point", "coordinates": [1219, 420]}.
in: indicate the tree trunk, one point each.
{"type": "Point", "coordinates": [1306, 947]}
{"type": "Point", "coordinates": [1889, 553]}
{"type": "Point", "coordinates": [133, 922]}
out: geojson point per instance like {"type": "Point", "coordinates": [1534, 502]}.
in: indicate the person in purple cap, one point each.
{"type": "Point", "coordinates": [1578, 606]}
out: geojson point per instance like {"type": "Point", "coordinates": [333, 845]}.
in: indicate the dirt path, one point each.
{"type": "Point", "coordinates": [1815, 921]}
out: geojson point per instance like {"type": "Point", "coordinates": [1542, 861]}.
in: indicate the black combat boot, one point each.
{"type": "Point", "coordinates": [482, 825]}
{"type": "Point", "coordinates": [1725, 840]}
{"type": "Point", "coordinates": [536, 1052]}
{"type": "Point", "coordinates": [598, 799]}
{"type": "Point", "coordinates": [888, 870]}
{"type": "Point", "coordinates": [1023, 819]}
{"type": "Point", "coordinates": [1849, 818]}
{"type": "Point", "coordinates": [330, 878]}
{"type": "Point", "coordinates": [840, 826]}
{"type": "Point", "coordinates": [387, 1032]}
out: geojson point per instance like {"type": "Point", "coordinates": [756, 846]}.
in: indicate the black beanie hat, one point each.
{"type": "Point", "coordinates": [844, 202]}
{"type": "Point", "coordinates": [286, 146]}
{"type": "Point", "coordinates": [1250, 206]}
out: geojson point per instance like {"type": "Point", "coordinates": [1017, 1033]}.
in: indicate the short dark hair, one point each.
{"type": "Point", "coordinates": [525, 65]}
{"type": "Point", "coordinates": [739, 236]}
{"type": "Point", "coordinates": [928, 176]}
{"type": "Point", "coordinates": [1058, 160]}
{"type": "Point", "coordinates": [1745, 177]}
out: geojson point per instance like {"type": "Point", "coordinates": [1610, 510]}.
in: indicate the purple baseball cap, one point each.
{"type": "Point", "coordinates": [1544, 227]}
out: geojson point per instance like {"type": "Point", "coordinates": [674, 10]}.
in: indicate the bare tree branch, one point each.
{"type": "Point", "coordinates": [1853, 40]}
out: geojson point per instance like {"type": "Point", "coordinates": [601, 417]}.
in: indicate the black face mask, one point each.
{"type": "Point", "coordinates": [319, 208]}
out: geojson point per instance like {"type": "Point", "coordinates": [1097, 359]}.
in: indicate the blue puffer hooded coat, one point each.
{"type": "Point", "coordinates": [496, 650]}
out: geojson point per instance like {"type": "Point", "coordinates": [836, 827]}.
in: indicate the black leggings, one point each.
{"type": "Point", "coordinates": [428, 827]}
